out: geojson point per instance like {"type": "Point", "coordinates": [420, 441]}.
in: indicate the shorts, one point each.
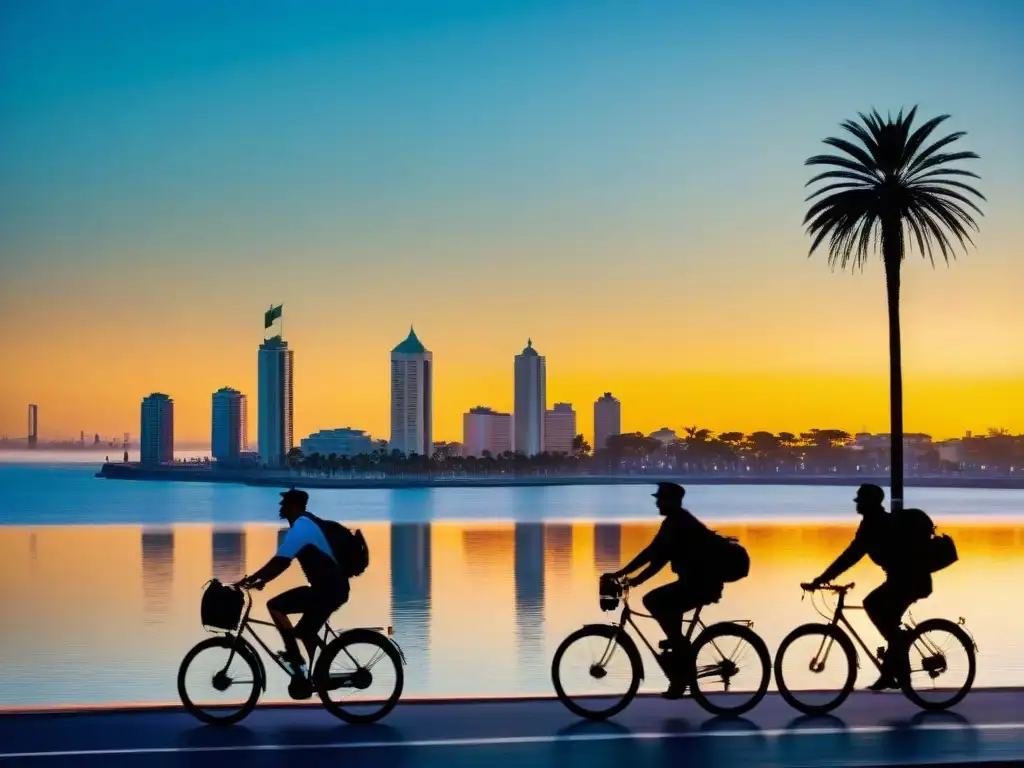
{"type": "Point", "coordinates": [315, 605]}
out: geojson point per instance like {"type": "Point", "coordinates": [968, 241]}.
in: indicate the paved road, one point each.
{"type": "Point", "coordinates": [882, 729]}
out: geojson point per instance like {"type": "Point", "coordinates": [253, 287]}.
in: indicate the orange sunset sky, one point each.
{"type": "Point", "coordinates": [558, 172]}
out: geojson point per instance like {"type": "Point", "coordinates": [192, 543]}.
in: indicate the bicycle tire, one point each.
{"type": "Point", "coordinates": [964, 639]}
{"type": "Point", "coordinates": [745, 633]}
{"type": "Point", "coordinates": [850, 653]}
{"type": "Point", "coordinates": [323, 668]}
{"type": "Point", "coordinates": [612, 634]}
{"type": "Point", "coordinates": [243, 652]}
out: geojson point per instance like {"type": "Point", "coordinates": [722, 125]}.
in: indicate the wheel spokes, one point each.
{"type": "Point", "coordinates": [940, 665]}
{"type": "Point", "coordinates": [218, 678]}
{"type": "Point", "coordinates": [357, 680]}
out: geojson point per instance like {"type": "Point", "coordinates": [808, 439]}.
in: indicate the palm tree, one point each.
{"type": "Point", "coordinates": [892, 192]}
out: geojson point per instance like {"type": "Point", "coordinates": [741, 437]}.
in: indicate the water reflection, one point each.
{"type": "Point", "coordinates": [607, 547]}
{"type": "Point", "coordinates": [410, 590]}
{"type": "Point", "coordinates": [228, 555]}
{"type": "Point", "coordinates": [478, 607]}
{"type": "Point", "coordinates": [157, 573]}
{"type": "Point", "coordinates": [558, 543]}
{"type": "Point", "coordinates": [529, 589]}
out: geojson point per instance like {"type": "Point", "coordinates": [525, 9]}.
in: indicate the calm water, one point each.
{"type": "Point", "coordinates": [100, 580]}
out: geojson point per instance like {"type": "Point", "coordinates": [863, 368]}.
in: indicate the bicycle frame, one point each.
{"type": "Point", "coordinates": [322, 640]}
{"type": "Point", "coordinates": [626, 618]}
{"type": "Point", "coordinates": [840, 621]}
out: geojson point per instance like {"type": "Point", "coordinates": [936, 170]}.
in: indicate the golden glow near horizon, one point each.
{"type": "Point", "coordinates": [483, 617]}
{"type": "Point", "coordinates": [793, 347]}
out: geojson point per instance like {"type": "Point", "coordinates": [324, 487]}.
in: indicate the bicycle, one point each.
{"type": "Point", "coordinates": [332, 646]}
{"type": "Point", "coordinates": [933, 661]}
{"type": "Point", "coordinates": [613, 637]}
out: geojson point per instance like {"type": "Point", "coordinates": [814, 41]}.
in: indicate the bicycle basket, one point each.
{"type": "Point", "coordinates": [221, 607]}
{"type": "Point", "coordinates": [609, 592]}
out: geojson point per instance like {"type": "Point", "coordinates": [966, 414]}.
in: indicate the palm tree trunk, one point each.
{"type": "Point", "coordinates": [892, 254]}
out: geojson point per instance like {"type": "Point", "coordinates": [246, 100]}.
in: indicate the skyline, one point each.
{"type": "Point", "coordinates": [518, 357]}
{"type": "Point", "coordinates": [623, 186]}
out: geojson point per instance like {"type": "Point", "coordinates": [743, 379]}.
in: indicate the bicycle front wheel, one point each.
{"type": "Point", "coordinates": [595, 673]}
{"type": "Point", "coordinates": [732, 669]}
{"type": "Point", "coordinates": [942, 665]}
{"type": "Point", "coordinates": [225, 678]}
{"type": "Point", "coordinates": [815, 668]}
{"type": "Point", "coordinates": [360, 677]}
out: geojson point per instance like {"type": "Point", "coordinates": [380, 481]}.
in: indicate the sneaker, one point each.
{"type": "Point", "coordinates": [300, 688]}
{"type": "Point", "coordinates": [894, 669]}
{"type": "Point", "coordinates": [673, 663]}
{"type": "Point", "coordinates": [294, 670]}
{"type": "Point", "coordinates": [885, 682]}
{"type": "Point", "coordinates": [674, 691]}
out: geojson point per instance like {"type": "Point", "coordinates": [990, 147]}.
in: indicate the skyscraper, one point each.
{"type": "Point", "coordinates": [229, 425]}
{"type": "Point", "coordinates": [157, 442]}
{"type": "Point", "coordinates": [33, 425]}
{"type": "Point", "coordinates": [607, 420]}
{"type": "Point", "coordinates": [530, 401]}
{"type": "Point", "coordinates": [274, 428]}
{"type": "Point", "coordinates": [412, 397]}
{"type": "Point", "coordinates": [559, 428]}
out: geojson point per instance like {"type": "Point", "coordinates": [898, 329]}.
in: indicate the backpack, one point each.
{"type": "Point", "coordinates": [914, 526]}
{"type": "Point", "coordinates": [916, 532]}
{"type": "Point", "coordinates": [349, 547]}
{"type": "Point", "coordinates": [727, 558]}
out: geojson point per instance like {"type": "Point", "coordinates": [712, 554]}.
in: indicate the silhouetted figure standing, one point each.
{"type": "Point", "coordinates": [682, 542]}
{"type": "Point", "coordinates": [879, 537]}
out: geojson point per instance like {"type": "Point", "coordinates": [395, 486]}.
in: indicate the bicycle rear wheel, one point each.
{"type": "Point", "coordinates": [601, 672]}
{"type": "Point", "coordinates": [807, 649]}
{"type": "Point", "coordinates": [355, 662]}
{"type": "Point", "coordinates": [732, 669]}
{"type": "Point", "coordinates": [215, 666]}
{"type": "Point", "coordinates": [942, 654]}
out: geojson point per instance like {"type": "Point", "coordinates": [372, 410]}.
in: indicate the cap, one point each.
{"type": "Point", "coordinates": [293, 494]}
{"type": "Point", "coordinates": [671, 491]}
{"type": "Point", "coordinates": [869, 493]}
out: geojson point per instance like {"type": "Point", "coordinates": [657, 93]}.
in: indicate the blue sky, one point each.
{"type": "Point", "coordinates": [165, 166]}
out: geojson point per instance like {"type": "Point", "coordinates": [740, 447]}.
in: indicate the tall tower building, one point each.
{"type": "Point", "coordinates": [530, 401]}
{"type": "Point", "coordinates": [412, 397]}
{"type": "Point", "coordinates": [33, 425]}
{"type": "Point", "coordinates": [157, 442]}
{"type": "Point", "coordinates": [276, 407]}
{"type": "Point", "coordinates": [607, 420]}
{"type": "Point", "coordinates": [229, 425]}
{"type": "Point", "coordinates": [559, 428]}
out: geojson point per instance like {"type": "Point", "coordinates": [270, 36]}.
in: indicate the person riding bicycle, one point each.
{"type": "Point", "coordinates": [906, 580]}
{"type": "Point", "coordinates": [327, 591]}
{"type": "Point", "coordinates": [679, 542]}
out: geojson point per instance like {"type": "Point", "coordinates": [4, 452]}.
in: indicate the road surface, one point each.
{"type": "Point", "coordinates": [869, 729]}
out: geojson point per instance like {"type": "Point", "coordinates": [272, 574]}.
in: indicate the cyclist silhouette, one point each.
{"type": "Point", "coordinates": [679, 542]}
{"type": "Point", "coordinates": [906, 581]}
{"type": "Point", "coordinates": [327, 591]}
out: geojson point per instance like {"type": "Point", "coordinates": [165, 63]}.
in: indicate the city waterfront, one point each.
{"type": "Point", "coordinates": [103, 580]}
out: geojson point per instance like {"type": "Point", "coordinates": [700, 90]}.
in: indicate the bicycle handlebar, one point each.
{"type": "Point", "coordinates": [839, 588]}
{"type": "Point", "coordinates": [240, 584]}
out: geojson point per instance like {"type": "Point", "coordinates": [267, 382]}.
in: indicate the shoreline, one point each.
{"type": "Point", "coordinates": [262, 478]}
